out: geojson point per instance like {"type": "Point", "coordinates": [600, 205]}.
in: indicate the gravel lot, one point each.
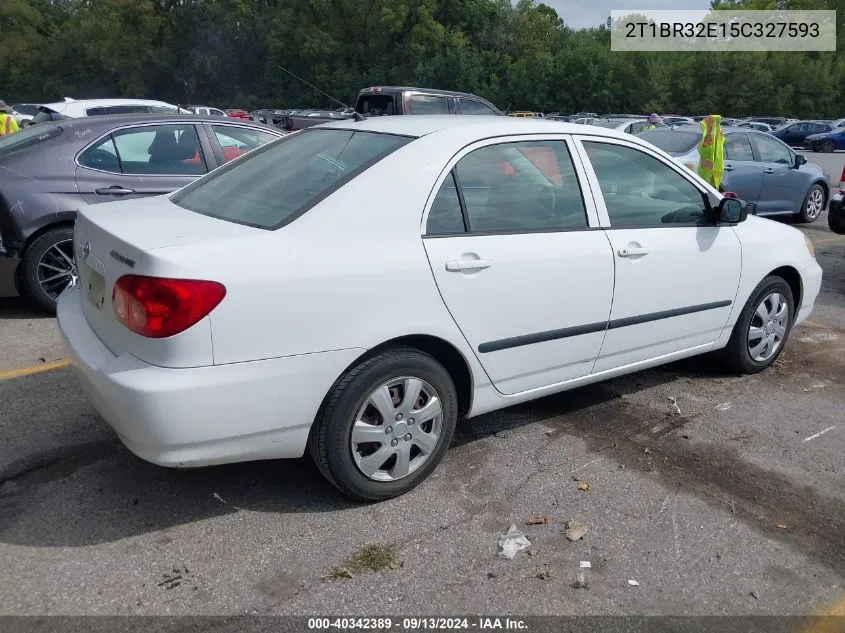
{"type": "Point", "coordinates": [730, 507]}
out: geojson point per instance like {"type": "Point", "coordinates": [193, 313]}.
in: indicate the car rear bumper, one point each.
{"type": "Point", "coordinates": [204, 415]}
{"type": "Point", "coordinates": [811, 280]}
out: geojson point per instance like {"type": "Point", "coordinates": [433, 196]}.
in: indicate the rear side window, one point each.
{"type": "Point", "coordinates": [235, 141]}
{"type": "Point", "coordinates": [737, 147]}
{"type": "Point", "coordinates": [428, 104]}
{"type": "Point", "coordinates": [278, 182]}
{"type": "Point", "coordinates": [445, 216]}
{"type": "Point", "coordinates": [672, 142]}
{"type": "Point", "coordinates": [153, 150]}
{"type": "Point", "coordinates": [519, 187]}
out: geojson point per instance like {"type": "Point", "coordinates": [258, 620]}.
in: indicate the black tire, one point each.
{"type": "Point", "coordinates": [828, 147]}
{"type": "Point", "coordinates": [31, 258]}
{"type": "Point", "coordinates": [736, 355]}
{"type": "Point", "coordinates": [330, 440]}
{"type": "Point", "coordinates": [836, 219]}
{"type": "Point", "coordinates": [803, 215]}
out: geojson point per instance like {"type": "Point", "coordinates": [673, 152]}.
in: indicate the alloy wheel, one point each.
{"type": "Point", "coordinates": [397, 429]}
{"type": "Point", "coordinates": [815, 203]}
{"type": "Point", "coordinates": [57, 268]}
{"type": "Point", "coordinates": [768, 327]}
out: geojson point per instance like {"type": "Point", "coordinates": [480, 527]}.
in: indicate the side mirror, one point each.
{"type": "Point", "coordinates": [800, 159]}
{"type": "Point", "coordinates": [732, 211]}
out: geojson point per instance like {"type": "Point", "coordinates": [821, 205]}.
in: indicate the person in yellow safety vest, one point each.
{"type": "Point", "coordinates": [8, 124]}
{"type": "Point", "coordinates": [654, 121]}
{"type": "Point", "coordinates": [711, 150]}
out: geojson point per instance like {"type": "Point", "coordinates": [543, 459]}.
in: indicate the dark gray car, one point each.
{"type": "Point", "coordinates": [759, 168]}
{"type": "Point", "coordinates": [49, 170]}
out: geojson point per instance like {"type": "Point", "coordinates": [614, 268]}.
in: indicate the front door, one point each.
{"type": "Point", "coordinates": [781, 180]}
{"type": "Point", "coordinates": [140, 161]}
{"type": "Point", "coordinates": [676, 274]}
{"type": "Point", "coordinates": [511, 248]}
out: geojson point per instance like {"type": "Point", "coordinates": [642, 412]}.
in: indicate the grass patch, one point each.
{"type": "Point", "coordinates": [372, 557]}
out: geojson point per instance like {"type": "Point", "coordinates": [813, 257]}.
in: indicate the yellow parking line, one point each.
{"type": "Point", "coordinates": [35, 369]}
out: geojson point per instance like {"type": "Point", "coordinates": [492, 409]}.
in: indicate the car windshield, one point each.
{"type": "Point", "coordinates": [672, 142]}
{"type": "Point", "coordinates": [26, 138]}
{"type": "Point", "coordinates": [275, 184]}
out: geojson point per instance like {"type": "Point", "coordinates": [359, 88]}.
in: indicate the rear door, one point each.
{"type": "Point", "coordinates": [743, 175]}
{"type": "Point", "coordinates": [142, 160]}
{"type": "Point", "coordinates": [519, 262]}
{"type": "Point", "coordinates": [784, 187]}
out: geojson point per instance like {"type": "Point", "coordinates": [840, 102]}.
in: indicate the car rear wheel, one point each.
{"type": "Point", "coordinates": [385, 425]}
{"type": "Point", "coordinates": [49, 267]}
{"type": "Point", "coordinates": [762, 328]}
{"type": "Point", "coordinates": [814, 203]}
{"type": "Point", "coordinates": [828, 146]}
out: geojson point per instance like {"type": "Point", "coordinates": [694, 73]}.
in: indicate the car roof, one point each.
{"type": "Point", "coordinates": [117, 120]}
{"type": "Point", "coordinates": [94, 103]}
{"type": "Point", "coordinates": [434, 91]}
{"type": "Point", "coordinates": [483, 126]}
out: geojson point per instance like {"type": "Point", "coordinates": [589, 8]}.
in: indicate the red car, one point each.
{"type": "Point", "coordinates": [237, 114]}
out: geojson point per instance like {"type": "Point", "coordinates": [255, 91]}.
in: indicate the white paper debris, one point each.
{"type": "Point", "coordinates": [633, 583]}
{"type": "Point", "coordinates": [512, 542]}
{"type": "Point", "coordinates": [585, 564]}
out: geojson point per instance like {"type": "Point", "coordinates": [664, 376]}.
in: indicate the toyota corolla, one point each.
{"type": "Point", "coordinates": [357, 288]}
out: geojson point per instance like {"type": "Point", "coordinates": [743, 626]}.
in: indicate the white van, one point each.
{"type": "Point", "coordinates": [73, 109]}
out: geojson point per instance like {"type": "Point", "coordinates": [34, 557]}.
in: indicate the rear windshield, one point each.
{"type": "Point", "coordinates": [611, 123]}
{"type": "Point", "coordinates": [375, 104]}
{"type": "Point", "coordinates": [276, 183]}
{"type": "Point", "coordinates": [26, 138]}
{"type": "Point", "coordinates": [672, 141]}
{"type": "Point", "coordinates": [130, 109]}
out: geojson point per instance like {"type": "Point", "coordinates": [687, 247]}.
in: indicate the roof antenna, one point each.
{"type": "Point", "coordinates": [357, 116]}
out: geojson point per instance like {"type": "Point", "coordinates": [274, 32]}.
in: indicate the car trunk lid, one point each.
{"type": "Point", "coordinates": [143, 237]}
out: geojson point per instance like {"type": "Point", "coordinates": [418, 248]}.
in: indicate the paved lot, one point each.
{"type": "Point", "coordinates": [726, 508]}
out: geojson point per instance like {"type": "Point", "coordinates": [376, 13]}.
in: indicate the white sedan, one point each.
{"type": "Point", "coordinates": [358, 287]}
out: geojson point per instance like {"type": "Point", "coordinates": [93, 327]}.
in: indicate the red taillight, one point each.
{"type": "Point", "coordinates": [842, 182]}
{"type": "Point", "coordinates": [158, 307]}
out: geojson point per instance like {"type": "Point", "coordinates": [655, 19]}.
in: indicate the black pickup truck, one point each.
{"type": "Point", "coordinates": [396, 100]}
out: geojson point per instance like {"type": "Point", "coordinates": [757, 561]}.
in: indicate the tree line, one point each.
{"type": "Point", "coordinates": [523, 55]}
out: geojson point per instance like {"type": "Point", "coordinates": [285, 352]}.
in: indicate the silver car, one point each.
{"type": "Point", "coordinates": [759, 168]}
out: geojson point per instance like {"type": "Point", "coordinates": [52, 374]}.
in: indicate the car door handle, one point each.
{"type": "Point", "coordinates": [729, 167]}
{"type": "Point", "coordinates": [632, 251]}
{"type": "Point", "coordinates": [768, 170]}
{"type": "Point", "coordinates": [114, 190]}
{"type": "Point", "coordinates": [456, 266]}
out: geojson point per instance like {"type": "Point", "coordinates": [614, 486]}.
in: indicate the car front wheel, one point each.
{"type": "Point", "coordinates": [762, 328]}
{"type": "Point", "coordinates": [49, 267]}
{"type": "Point", "coordinates": [385, 425]}
{"type": "Point", "coordinates": [814, 203]}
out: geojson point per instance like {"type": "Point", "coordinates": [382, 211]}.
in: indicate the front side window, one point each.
{"type": "Point", "coordinates": [429, 104]}
{"type": "Point", "coordinates": [236, 141]}
{"type": "Point", "coordinates": [471, 106]}
{"type": "Point", "coordinates": [278, 182]}
{"type": "Point", "coordinates": [737, 147]}
{"type": "Point", "coordinates": [771, 150]}
{"type": "Point", "coordinates": [160, 150]}
{"type": "Point", "coordinates": [522, 186]}
{"type": "Point", "coordinates": [641, 191]}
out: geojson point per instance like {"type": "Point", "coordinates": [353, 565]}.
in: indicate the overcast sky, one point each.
{"type": "Point", "coordinates": [581, 13]}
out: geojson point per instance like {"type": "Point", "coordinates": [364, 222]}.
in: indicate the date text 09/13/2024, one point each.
{"type": "Point", "coordinates": [416, 624]}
